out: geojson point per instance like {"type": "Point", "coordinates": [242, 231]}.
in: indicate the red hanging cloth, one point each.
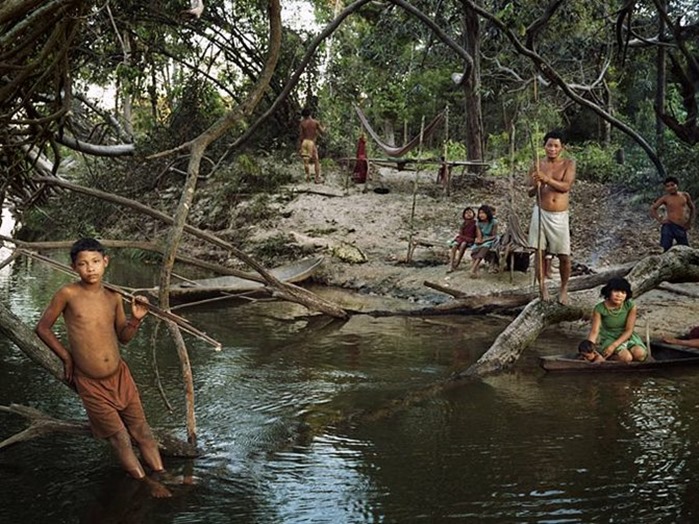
{"type": "Point", "coordinates": [361, 166]}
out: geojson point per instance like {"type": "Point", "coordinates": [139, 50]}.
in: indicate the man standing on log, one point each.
{"type": "Point", "coordinates": [550, 181]}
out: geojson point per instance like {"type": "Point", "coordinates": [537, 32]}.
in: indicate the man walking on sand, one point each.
{"type": "Point", "coordinates": [309, 130]}
{"type": "Point", "coordinates": [678, 217]}
{"type": "Point", "coordinates": [549, 231]}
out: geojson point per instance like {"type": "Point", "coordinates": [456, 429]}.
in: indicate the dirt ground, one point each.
{"type": "Point", "coordinates": [608, 228]}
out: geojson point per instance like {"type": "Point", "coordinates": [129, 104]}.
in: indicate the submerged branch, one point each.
{"type": "Point", "coordinates": [42, 424]}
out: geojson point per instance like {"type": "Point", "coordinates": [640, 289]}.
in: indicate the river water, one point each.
{"type": "Point", "coordinates": [520, 447]}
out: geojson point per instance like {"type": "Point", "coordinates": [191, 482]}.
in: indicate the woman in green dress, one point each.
{"type": "Point", "coordinates": [613, 322]}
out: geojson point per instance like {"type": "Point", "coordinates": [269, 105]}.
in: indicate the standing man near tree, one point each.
{"type": "Point", "coordinates": [550, 181]}
{"type": "Point", "coordinates": [309, 130]}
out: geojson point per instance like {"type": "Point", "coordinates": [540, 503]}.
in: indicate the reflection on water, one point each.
{"type": "Point", "coordinates": [520, 447]}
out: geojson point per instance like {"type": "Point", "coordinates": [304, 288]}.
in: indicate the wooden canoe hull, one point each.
{"type": "Point", "coordinates": [662, 356]}
{"type": "Point", "coordinates": [229, 285]}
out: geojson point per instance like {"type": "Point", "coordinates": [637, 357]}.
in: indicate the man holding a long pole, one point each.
{"type": "Point", "coordinates": [550, 181]}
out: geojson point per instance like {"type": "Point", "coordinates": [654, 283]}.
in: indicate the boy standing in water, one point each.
{"type": "Point", "coordinates": [309, 130]}
{"type": "Point", "coordinates": [678, 217]}
{"type": "Point", "coordinates": [96, 323]}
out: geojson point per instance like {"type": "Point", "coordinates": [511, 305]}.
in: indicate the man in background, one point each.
{"type": "Point", "coordinates": [309, 130]}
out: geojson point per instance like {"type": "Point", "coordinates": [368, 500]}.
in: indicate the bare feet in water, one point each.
{"type": "Point", "coordinates": [156, 488]}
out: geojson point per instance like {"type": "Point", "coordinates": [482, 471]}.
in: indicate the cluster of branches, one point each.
{"type": "Point", "coordinates": [51, 51]}
{"type": "Point", "coordinates": [679, 41]}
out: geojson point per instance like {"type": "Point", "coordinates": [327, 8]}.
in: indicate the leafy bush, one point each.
{"type": "Point", "coordinates": [599, 164]}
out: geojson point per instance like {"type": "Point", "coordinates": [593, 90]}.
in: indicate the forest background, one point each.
{"type": "Point", "coordinates": [619, 78]}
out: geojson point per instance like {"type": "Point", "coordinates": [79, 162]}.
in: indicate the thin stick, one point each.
{"type": "Point", "coordinates": [183, 323]}
{"type": "Point", "coordinates": [9, 259]}
{"type": "Point", "coordinates": [539, 250]}
{"type": "Point", "coordinates": [445, 166]}
{"type": "Point", "coordinates": [415, 185]}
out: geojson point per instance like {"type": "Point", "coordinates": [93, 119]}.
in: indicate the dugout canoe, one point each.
{"type": "Point", "coordinates": [662, 356]}
{"type": "Point", "coordinates": [207, 288]}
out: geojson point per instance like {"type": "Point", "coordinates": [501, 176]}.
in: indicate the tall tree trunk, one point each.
{"type": "Point", "coordinates": [472, 86]}
{"type": "Point", "coordinates": [127, 90]}
{"type": "Point", "coordinates": [660, 83]}
{"type": "Point", "coordinates": [197, 147]}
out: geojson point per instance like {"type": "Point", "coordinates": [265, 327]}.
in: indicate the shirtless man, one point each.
{"type": "Point", "coordinates": [309, 130]}
{"type": "Point", "coordinates": [550, 182]}
{"type": "Point", "coordinates": [96, 323]}
{"type": "Point", "coordinates": [678, 217]}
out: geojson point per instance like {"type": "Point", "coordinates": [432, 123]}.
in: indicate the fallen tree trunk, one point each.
{"type": "Point", "coordinates": [506, 301]}
{"type": "Point", "coordinates": [302, 296]}
{"type": "Point", "coordinates": [680, 264]}
{"type": "Point", "coordinates": [40, 424]}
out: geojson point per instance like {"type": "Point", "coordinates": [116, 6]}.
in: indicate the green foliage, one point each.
{"type": "Point", "coordinates": [241, 194]}
{"type": "Point", "coordinates": [456, 150]}
{"type": "Point", "coordinates": [199, 106]}
{"type": "Point", "coordinates": [681, 161]}
{"type": "Point", "coordinates": [598, 164]}
{"type": "Point", "coordinates": [68, 216]}
{"type": "Point", "coordinates": [255, 210]}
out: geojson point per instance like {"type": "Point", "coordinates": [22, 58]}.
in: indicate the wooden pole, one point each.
{"type": "Point", "coordinates": [445, 165]}
{"type": "Point", "coordinates": [539, 250]}
{"type": "Point", "coordinates": [412, 209]}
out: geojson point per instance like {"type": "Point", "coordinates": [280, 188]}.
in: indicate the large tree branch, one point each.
{"type": "Point", "coordinates": [18, 9]}
{"type": "Point", "coordinates": [96, 149]}
{"type": "Point", "coordinates": [550, 73]}
{"type": "Point", "coordinates": [680, 264]}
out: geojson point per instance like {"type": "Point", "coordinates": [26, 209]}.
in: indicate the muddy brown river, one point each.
{"type": "Point", "coordinates": [520, 447]}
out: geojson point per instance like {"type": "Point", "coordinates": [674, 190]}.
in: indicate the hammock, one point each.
{"type": "Point", "coordinates": [399, 151]}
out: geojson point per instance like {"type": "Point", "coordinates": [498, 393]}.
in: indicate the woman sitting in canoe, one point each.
{"type": "Point", "coordinates": [613, 322]}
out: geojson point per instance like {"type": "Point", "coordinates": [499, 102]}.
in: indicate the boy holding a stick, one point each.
{"type": "Point", "coordinates": [550, 181]}
{"type": "Point", "coordinates": [96, 324]}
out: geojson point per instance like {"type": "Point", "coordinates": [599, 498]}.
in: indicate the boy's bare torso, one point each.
{"type": "Point", "coordinates": [676, 208]}
{"type": "Point", "coordinates": [90, 319]}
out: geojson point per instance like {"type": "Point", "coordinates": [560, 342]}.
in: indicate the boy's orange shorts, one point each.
{"type": "Point", "coordinates": [112, 403]}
